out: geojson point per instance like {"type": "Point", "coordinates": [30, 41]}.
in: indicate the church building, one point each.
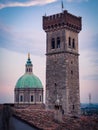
{"type": "Point", "coordinates": [28, 89]}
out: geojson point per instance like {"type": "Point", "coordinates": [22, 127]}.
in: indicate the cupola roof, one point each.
{"type": "Point", "coordinates": [28, 80]}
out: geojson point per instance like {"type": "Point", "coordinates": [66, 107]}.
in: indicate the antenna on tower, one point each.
{"type": "Point", "coordinates": [89, 98]}
{"type": "Point", "coordinates": [62, 5]}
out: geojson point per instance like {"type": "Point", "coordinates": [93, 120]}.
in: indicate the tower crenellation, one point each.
{"type": "Point", "coordinates": [62, 20]}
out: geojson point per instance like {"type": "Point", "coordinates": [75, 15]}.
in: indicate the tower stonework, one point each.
{"type": "Point", "coordinates": [62, 63]}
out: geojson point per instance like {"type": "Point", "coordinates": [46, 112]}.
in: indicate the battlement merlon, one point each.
{"type": "Point", "coordinates": [62, 20]}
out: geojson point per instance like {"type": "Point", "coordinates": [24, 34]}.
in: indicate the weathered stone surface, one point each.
{"type": "Point", "coordinates": [62, 64]}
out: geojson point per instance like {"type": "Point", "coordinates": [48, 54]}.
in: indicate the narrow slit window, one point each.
{"type": "Point", "coordinates": [73, 107]}
{"type": "Point", "coordinates": [71, 72]}
{"type": "Point", "coordinates": [55, 84]}
{"type": "Point", "coordinates": [71, 62]}
{"type": "Point", "coordinates": [58, 42]}
{"type": "Point", "coordinates": [53, 43]}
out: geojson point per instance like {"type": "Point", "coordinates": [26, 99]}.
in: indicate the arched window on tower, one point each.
{"type": "Point", "coordinates": [73, 43]}
{"type": "Point", "coordinates": [58, 42]}
{"type": "Point", "coordinates": [52, 43]}
{"type": "Point", "coordinates": [69, 41]}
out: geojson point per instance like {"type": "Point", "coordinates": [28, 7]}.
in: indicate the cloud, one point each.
{"type": "Point", "coordinates": [27, 3]}
{"type": "Point", "coordinates": [88, 55]}
{"type": "Point", "coordinates": [88, 62]}
{"type": "Point", "coordinates": [22, 42]}
{"type": "Point", "coordinates": [76, 0]}
{"type": "Point", "coordinates": [88, 65]}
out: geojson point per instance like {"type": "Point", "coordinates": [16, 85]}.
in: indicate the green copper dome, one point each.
{"type": "Point", "coordinates": [29, 81]}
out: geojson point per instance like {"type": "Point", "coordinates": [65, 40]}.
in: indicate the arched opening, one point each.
{"type": "Point", "coordinates": [69, 41]}
{"type": "Point", "coordinates": [53, 43]}
{"type": "Point", "coordinates": [58, 42]}
{"type": "Point", "coordinates": [21, 98]}
{"type": "Point", "coordinates": [32, 98]}
{"type": "Point", "coordinates": [73, 43]}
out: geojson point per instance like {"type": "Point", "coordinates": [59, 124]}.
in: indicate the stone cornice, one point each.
{"type": "Point", "coordinates": [59, 52]}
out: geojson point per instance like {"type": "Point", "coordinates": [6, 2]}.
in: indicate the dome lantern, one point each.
{"type": "Point", "coordinates": [29, 65]}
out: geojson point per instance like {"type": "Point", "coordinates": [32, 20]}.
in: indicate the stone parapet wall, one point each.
{"type": "Point", "coordinates": [61, 20]}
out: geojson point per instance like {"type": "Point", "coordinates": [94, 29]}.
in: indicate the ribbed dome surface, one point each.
{"type": "Point", "coordinates": [29, 81]}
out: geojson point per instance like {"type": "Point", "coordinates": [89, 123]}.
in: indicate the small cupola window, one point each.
{"type": "Point", "coordinates": [29, 65]}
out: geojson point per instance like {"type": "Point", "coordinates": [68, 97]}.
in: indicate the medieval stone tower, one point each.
{"type": "Point", "coordinates": [62, 63]}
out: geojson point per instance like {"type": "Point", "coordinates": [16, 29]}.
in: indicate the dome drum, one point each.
{"type": "Point", "coordinates": [28, 96]}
